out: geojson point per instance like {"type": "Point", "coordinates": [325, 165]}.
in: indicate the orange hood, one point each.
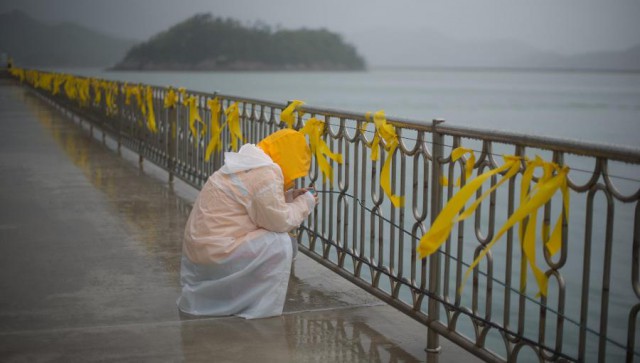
{"type": "Point", "coordinates": [288, 148]}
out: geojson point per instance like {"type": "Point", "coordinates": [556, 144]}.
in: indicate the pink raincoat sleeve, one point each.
{"type": "Point", "coordinates": [270, 211]}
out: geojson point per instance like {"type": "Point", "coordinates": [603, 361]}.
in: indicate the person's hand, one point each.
{"type": "Point", "coordinates": [298, 192]}
{"type": "Point", "coordinates": [312, 189]}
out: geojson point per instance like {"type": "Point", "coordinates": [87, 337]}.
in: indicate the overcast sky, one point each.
{"type": "Point", "coordinates": [564, 26]}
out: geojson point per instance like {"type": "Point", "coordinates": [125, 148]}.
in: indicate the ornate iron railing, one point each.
{"type": "Point", "coordinates": [591, 310]}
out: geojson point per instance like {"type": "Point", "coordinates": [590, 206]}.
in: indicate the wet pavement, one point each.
{"type": "Point", "coordinates": [89, 265]}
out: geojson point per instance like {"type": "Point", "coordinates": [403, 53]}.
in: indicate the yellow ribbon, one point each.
{"type": "Point", "coordinates": [215, 143]}
{"type": "Point", "coordinates": [110, 92]}
{"type": "Point", "coordinates": [170, 98]}
{"type": "Point", "coordinates": [529, 205]}
{"type": "Point", "coordinates": [287, 113]}
{"type": "Point", "coordinates": [58, 80]}
{"type": "Point", "coordinates": [128, 91]}
{"type": "Point", "coordinates": [315, 129]}
{"type": "Point", "coordinates": [468, 166]}
{"type": "Point", "coordinates": [151, 117]}
{"type": "Point", "coordinates": [70, 87]}
{"type": "Point", "coordinates": [528, 239]}
{"type": "Point", "coordinates": [83, 91]}
{"type": "Point", "coordinates": [45, 80]}
{"type": "Point", "coordinates": [18, 73]}
{"type": "Point", "coordinates": [194, 115]}
{"type": "Point", "coordinates": [138, 93]}
{"type": "Point", "coordinates": [544, 190]}
{"type": "Point", "coordinates": [450, 214]}
{"type": "Point", "coordinates": [542, 194]}
{"type": "Point", "coordinates": [471, 160]}
{"type": "Point", "coordinates": [97, 91]}
{"type": "Point", "coordinates": [233, 120]}
{"type": "Point", "coordinates": [387, 132]}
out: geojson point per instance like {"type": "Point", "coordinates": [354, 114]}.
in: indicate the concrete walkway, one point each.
{"type": "Point", "coordinates": [89, 265]}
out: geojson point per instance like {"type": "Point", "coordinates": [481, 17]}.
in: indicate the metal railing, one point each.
{"type": "Point", "coordinates": [591, 310]}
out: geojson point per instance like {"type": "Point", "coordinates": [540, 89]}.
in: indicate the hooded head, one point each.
{"type": "Point", "coordinates": [288, 148]}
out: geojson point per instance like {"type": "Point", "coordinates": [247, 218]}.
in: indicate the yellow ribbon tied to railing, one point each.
{"type": "Point", "coordinates": [110, 92]}
{"type": "Point", "coordinates": [84, 92]}
{"type": "Point", "coordinates": [58, 80]}
{"type": "Point", "coordinates": [18, 73]}
{"type": "Point", "coordinates": [45, 81]}
{"type": "Point", "coordinates": [194, 115]}
{"type": "Point", "coordinates": [97, 91]}
{"type": "Point", "coordinates": [386, 132]}
{"type": "Point", "coordinates": [233, 120]}
{"type": "Point", "coordinates": [170, 98]}
{"type": "Point", "coordinates": [215, 144]}
{"type": "Point", "coordinates": [548, 184]}
{"type": "Point", "coordinates": [544, 190]}
{"type": "Point", "coordinates": [151, 116]}
{"type": "Point", "coordinates": [287, 114]}
{"type": "Point", "coordinates": [139, 99]}
{"type": "Point", "coordinates": [451, 213]}
{"type": "Point", "coordinates": [315, 129]}
{"type": "Point", "coordinates": [128, 91]}
{"type": "Point", "coordinates": [70, 87]}
{"type": "Point", "coordinates": [136, 91]}
{"type": "Point", "coordinates": [456, 154]}
{"type": "Point", "coordinates": [541, 194]}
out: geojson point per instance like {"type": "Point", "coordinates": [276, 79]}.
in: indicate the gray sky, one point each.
{"type": "Point", "coordinates": [564, 26]}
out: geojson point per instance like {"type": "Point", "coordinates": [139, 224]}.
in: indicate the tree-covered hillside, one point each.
{"type": "Point", "coordinates": [33, 43]}
{"type": "Point", "coordinates": [204, 42]}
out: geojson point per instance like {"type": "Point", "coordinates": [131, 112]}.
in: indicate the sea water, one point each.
{"type": "Point", "coordinates": [594, 107]}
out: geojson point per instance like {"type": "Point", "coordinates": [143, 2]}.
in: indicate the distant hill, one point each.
{"type": "Point", "coordinates": [429, 48]}
{"type": "Point", "coordinates": [204, 42]}
{"type": "Point", "coordinates": [33, 43]}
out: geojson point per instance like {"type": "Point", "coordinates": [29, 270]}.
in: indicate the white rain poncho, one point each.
{"type": "Point", "coordinates": [237, 253]}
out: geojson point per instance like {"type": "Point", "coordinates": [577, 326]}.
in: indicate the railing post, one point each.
{"type": "Point", "coordinates": [119, 115]}
{"type": "Point", "coordinates": [433, 340]}
{"type": "Point", "coordinates": [172, 141]}
{"type": "Point", "coordinates": [140, 133]}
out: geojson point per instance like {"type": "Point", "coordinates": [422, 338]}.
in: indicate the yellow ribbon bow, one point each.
{"type": "Point", "coordinates": [215, 143]}
{"type": "Point", "coordinates": [315, 129]}
{"type": "Point", "coordinates": [170, 98]}
{"type": "Point", "coordinates": [387, 132]}
{"type": "Point", "coordinates": [468, 166]}
{"type": "Point", "coordinates": [287, 113]}
{"type": "Point", "coordinates": [194, 115]}
{"type": "Point", "coordinates": [233, 120]}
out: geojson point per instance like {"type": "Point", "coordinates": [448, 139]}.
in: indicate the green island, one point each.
{"type": "Point", "coordinates": [205, 42]}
